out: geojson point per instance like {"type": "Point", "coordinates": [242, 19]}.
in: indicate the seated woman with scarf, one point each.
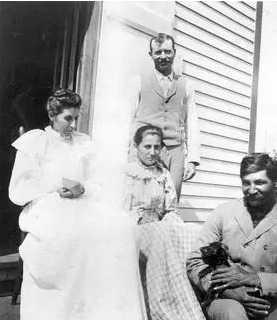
{"type": "Point", "coordinates": [163, 238]}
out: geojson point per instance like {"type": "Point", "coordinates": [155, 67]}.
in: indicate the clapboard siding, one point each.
{"type": "Point", "coordinates": [234, 15]}
{"type": "Point", "coordinates": [207, 203]}
{"type": "Point", "coordinates": [194, 58]}
{"type": "Point", "coordinates": [215, 41]}
{"type": "Point", "coordinates": [223, 117]}
{"type": "Point", "coordinates": [250, 4]}
{"type": "Point", "coordinates": [191, 14]}
{"type": "Point", "coordinates": [242, 9]}
{"type": "Point", "coordinates": [210, 190]}
{"type": "Point", "coordinates": [221, 154]}
{"type": "Point", "coordinates": [223, 130]}
{"type": "Point", "coordinates": [213, 140]}
{"type": "Point", "coordinates": [220, 80]}
{"type": "Point", "coordinates": [185, 40]}
{"type": "Point", "coordinates": [222, 105]}
{"type": "Point", "coordinates": [219, 42]}
{"type": "Point", "coordinates": [219, 166]}
{"type": "Point", "coordinates": [218, 18]}
{"type": "Point", "coordinates": [219, 92]}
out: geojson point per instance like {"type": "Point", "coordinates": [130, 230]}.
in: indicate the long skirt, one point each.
{"type": "Point", "coordinates": [164, 246]}
{"type": "Point", "coordinates": [80, 262]}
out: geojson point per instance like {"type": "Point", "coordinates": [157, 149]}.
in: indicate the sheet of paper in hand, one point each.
{"type": "Point", "coordinates": [69, 184]}
{"type": "Point", "coordinates": [73, 186]}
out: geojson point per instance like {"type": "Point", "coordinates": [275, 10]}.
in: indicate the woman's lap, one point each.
{"type": "Point", "coordinates": [170, 295]}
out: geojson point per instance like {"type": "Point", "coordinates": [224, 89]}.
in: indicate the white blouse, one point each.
{"type": "Point", "coordinates": [44, 158]}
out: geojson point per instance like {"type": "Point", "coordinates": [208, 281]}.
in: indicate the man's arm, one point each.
{"type": "Point", "coordinates": [192, 134]}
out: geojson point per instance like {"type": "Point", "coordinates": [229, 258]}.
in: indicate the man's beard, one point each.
{"type": "Point", "coordinates": [265, 206]}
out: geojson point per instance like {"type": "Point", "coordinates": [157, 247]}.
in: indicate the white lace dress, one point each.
{"type": "Point", "coordinates": [79, 254]}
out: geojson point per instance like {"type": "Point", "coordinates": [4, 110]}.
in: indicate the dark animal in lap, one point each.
{"type": "Point", "coordinates": [215, 255]}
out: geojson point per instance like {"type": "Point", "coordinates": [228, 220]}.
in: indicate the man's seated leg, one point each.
{"type": "Point", "coordinates": [226, 309]}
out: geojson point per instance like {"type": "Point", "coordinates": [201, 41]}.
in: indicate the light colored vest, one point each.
{"type": "Point", "coordinates": [169, 114]}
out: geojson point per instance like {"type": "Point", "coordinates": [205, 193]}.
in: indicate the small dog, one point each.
{"type": "Point", "coordinates": [215, 255]}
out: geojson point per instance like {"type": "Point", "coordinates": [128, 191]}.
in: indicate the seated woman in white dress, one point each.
{"type": "Point", "coordinates": [164, 239]}
{"type": "Point", "coordinates": [79, 254]}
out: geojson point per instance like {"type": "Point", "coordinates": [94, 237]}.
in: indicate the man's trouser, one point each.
{"type": "Point", "coordinates": [227, 309]}
{"type": "Point", "coordinates": [174, 158]}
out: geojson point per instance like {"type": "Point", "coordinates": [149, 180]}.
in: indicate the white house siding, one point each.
{"type": "Point", "coordinates": [215, 41]}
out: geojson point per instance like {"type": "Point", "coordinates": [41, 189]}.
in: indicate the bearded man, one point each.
{"type": "Point", "coordinates": [248, 227]}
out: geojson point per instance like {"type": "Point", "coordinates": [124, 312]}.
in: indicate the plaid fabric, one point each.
{"type": "Point", "coordinates": [168, 292]}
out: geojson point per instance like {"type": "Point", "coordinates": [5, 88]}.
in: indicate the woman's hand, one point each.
{"type": "Point", "coordinates": [65, 193]}
{"type": "Point", "coordinates": [71, 193]}
{"type": "Point", "coordinates": [77, 190]}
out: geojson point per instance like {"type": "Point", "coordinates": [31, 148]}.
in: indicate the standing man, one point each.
{"type": "Point", "coordinates": [248, 227]}
{"type": "Point", "coordinates": [166, 100]}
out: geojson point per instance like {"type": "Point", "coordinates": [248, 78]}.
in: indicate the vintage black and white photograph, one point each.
{"type": "Point", "coordinates": [138, 150]}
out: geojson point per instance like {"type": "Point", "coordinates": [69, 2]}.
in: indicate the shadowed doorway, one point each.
{"type": "Point", "coordinates": [41, 45]}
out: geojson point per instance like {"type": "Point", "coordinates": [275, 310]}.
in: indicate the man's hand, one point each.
{"type": "Point", "coordinates": [189, 171]}
{"type": "Point", "coordinates": [233, 277]}
{"type": "Point", "coordinates": [254, 306]}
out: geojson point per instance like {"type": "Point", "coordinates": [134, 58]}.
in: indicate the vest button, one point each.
{"type": "Point", "coordinates": [262, 269]}
{"type": "Point", "coordinates": [265, 247]}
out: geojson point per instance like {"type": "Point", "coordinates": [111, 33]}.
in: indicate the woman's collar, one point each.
{"type": "Point", "coordinates": [137, 169]}
{"type": "Point", "coordinates": [55, 134]}
{"type": "Point", "coordinates": [52, 132]}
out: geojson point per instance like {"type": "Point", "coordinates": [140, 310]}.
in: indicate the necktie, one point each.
{"type": "Point", "coordinates": [165, 85]}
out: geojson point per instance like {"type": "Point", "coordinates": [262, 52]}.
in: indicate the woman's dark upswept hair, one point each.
{"type": "Point", "coordinates": [61, 99]}
{"type": "Point", "coordinates": [255, 162]}
{"type": "Point", "coordinates": [147, 129]}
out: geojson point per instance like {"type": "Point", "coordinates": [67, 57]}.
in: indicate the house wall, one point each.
{"type": "Point", "coordinates": [266, 129]}
{"type": "Point", "coordinates": [215, 41]}
{"type": "Point", "coordinates": [215, 46]}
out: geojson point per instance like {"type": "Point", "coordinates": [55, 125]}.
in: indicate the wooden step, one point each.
{"type": "Point", "coordinates": [9, 266]}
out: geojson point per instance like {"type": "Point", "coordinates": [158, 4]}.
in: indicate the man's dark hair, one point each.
{"type": "Point", "coordinates": [161, 38]}
{"type": "Point", "coordinates": [255, 162]}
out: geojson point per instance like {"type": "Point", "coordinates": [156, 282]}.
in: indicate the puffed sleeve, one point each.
{"type": "Point", "coordinates": [91, 160]}
{"type": "Point", "coordinates": [25, 184]}
{"type": "Point", "coordinates": [134, 190]}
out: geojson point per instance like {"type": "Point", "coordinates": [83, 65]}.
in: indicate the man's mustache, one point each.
{"type": "Point", "coordinates": [164, 60]}
{"type": "Point", "coordinates": [253, 197]}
